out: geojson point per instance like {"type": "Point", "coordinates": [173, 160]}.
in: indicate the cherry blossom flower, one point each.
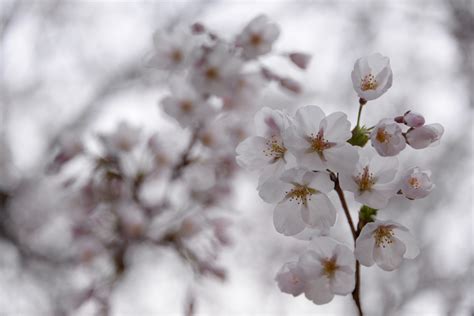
{"type": "Point", "coordinates": [217, 73]}
{"type": "Point", "coordinates": [124, 138]}
{"type": "Point", "coordinates": [291, 279]}
{"type": "Point", "coordinates": [302, 201]}
{"type": "Point", "coordinates": [385, 243]}
{"type": "Point", "coordinates": [329, 269]}
{"type": "Point", "coordinates": [416, 183]}
{"type": "Point", "coordinates": [172, 50]}
{"type": "Point", "coordinates": [266, 151]}
{"type": "Point", "coordinates": [319, 142]}
{"type": "Point", "coordinates": [387, 138]}
{"type": "Point", "coordinates": [427, 135]}
{"type": "Point", "coordinates": [257, 37]}
{"type": "Point", "coordinates": [187, 106]}
{"type": "Point", "coordinates": [372, 180]}
{"type": "Point", "coordinates": [372, 76]}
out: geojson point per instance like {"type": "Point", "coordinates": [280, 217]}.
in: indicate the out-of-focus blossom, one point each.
{"type": "Point", "coordinates": [69, 147]}
{"type": "Point", "coordinates": [246, 92]}
{"type": "Point", "coordinates": [301, 60]}
{"type": "Point", "coordinates": [187, 106]}
{"type": "Point", "coordinates": [328, 268]}
{"type": "Point", "coordinates": [302, 201]}
{"type": "Point", "coordinates": [132, 219]}
{"type": "Point", "coordinates": [372, 76]}
{"type": "Point", "coordinates": [385, 243]}
{"type": "Point", "coordinates": [200, 176]}
{"type": "Point", "coordinates": [257, 37]}
{"type": "Point", "coordinates": [217, 72]}
{"type": "Point", "coordinates": [124, 138]}
{"type": "Point", "coordinates": [267, 151]}
{"type": "Point", "coordinates": [291, 279]}
{"type": "Point", "coordinates": [427, 135]}
{"type": "Point", "coordinates": [173, 50]}
{"type": "Point", "coordinates": [387, 138]}
{"type": "Point", "coordinates": [373, 179]}
{"type": "Point", "coordinates": [416, 183]}
{"type": "Point", "coordinates": [319, 142]}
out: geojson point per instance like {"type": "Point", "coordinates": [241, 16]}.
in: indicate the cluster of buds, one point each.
{"type": "Point", "coordinates": [138, 190]}
{"type": "Point", "coordinates": [304, 157]}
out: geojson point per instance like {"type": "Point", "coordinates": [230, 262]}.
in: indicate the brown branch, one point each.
{"type": "Point", "coordinates": [355, 233]}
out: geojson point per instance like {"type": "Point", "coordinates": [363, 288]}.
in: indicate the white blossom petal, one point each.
{"type": "Point", "coordinates": [287, 218]}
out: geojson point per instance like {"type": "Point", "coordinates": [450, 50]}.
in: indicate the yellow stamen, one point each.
{"type": "Point", "coordinates": [368, 83]}
{"type": "Point", "coordinates": [383, 236]}
{"type": "Point", "coordinates": [186, 106]}
{"type": "Point", "coordinates": [329, 267]}
{"type": "Point", "coordinates": [414, 183]}
{"type": "Point", "coordinates": [274, 149]}
{"type": "Point", "coordinates": [365, 180]}
{"type": "Point", "coordinates": [212, 73]}
{"type": "Point", "coordinates": [382, 136]}
{"type": "Point", "coordinates": [256, 39]}
{"type": "Point", "coordinates": [177, 56]}
{"type": "Point", "coordinates": [301, 194]}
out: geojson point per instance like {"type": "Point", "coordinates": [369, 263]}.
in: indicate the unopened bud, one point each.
{"type": "Point", "coordinates": [413, 119]}
{"type": "Point", "coordinates": [300, 59]}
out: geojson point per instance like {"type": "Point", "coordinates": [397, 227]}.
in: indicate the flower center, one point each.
{"type": "Point", "coordinates": [382, 136]}
{"type": "Point", "coordinates": [256, 39]}
{"type": "Point", "coordinates": [368, 83]}
{"type": "Point", "coordinates": [300, 193]}
{"type": "Point", "coordinates": [294, 279]}
{"type": "Point", "coordinates": [186, 106]}
{"type": "Point", "coordinates": [211, 73]}
{"type": "Point", "coordinates": [414, 183]}
{"type": "Point", "coordinates": [176, 56]}
{"type": "Point", "coordinates": [329, 267]}
{"type": "Point", "coordinates": [274, 149]}
{"type": "Point", "coordinates": [319, 144]}
{"type": "Point", "coordinates": [383, 236]}
{"type": "Point", "coordinates": [365, 180]}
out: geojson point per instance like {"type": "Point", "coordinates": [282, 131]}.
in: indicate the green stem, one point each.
{"type": "Point", "coordinates": [362, 102]}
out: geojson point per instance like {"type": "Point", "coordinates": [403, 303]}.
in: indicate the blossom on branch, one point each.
{"type": "Point", "coordinates": [416, 183]}
{"type": "Point", "coordinates": [319, 142]}
{"type": "Point", "coordinates": [372, 180]}
{"type": "Point", "coordinates": [257, 37]}
{"type": "Point", "coordinates": [385, 243]}
{"type": "Point", "coordinates": [387, 138]}
{"type": "Point", "coordinates": [372, 76]}
{"type": "Point", "coordinates": [302, 201]}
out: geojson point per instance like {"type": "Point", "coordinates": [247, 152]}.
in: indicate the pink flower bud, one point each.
{"type": "Point", "coordinates": [399, 119]}
{"type": "Point", "coordinates": [198, 28]}
{"type": "Point", "coordinates": [424, 136]}
{"type": "Point", "coordinates": [413, 119]}
{"type": "Point", "coordinates": [300, 59]}
{"type": "Point", "coordinates": [290, 85]}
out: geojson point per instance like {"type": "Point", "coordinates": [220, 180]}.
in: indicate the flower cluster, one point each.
{"type": "Point", "coordinates": [136, 188]}
{"type": "Point", "coordinates": [304, 157]}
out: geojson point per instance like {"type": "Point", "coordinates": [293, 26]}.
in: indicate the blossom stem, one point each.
{"type": "Point", "coordinates": [355, 233]}
{"type": "Point", "coordinates": [362, 102]}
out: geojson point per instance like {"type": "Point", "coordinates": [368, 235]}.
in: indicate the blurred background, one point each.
{"type": "Point", "coordinates": [78, 67]}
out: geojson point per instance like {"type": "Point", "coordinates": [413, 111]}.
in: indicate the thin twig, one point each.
{"type": "Point", "coordinates": [340, 193]}
{"type": "Point", "coordinates": [355, 233]}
